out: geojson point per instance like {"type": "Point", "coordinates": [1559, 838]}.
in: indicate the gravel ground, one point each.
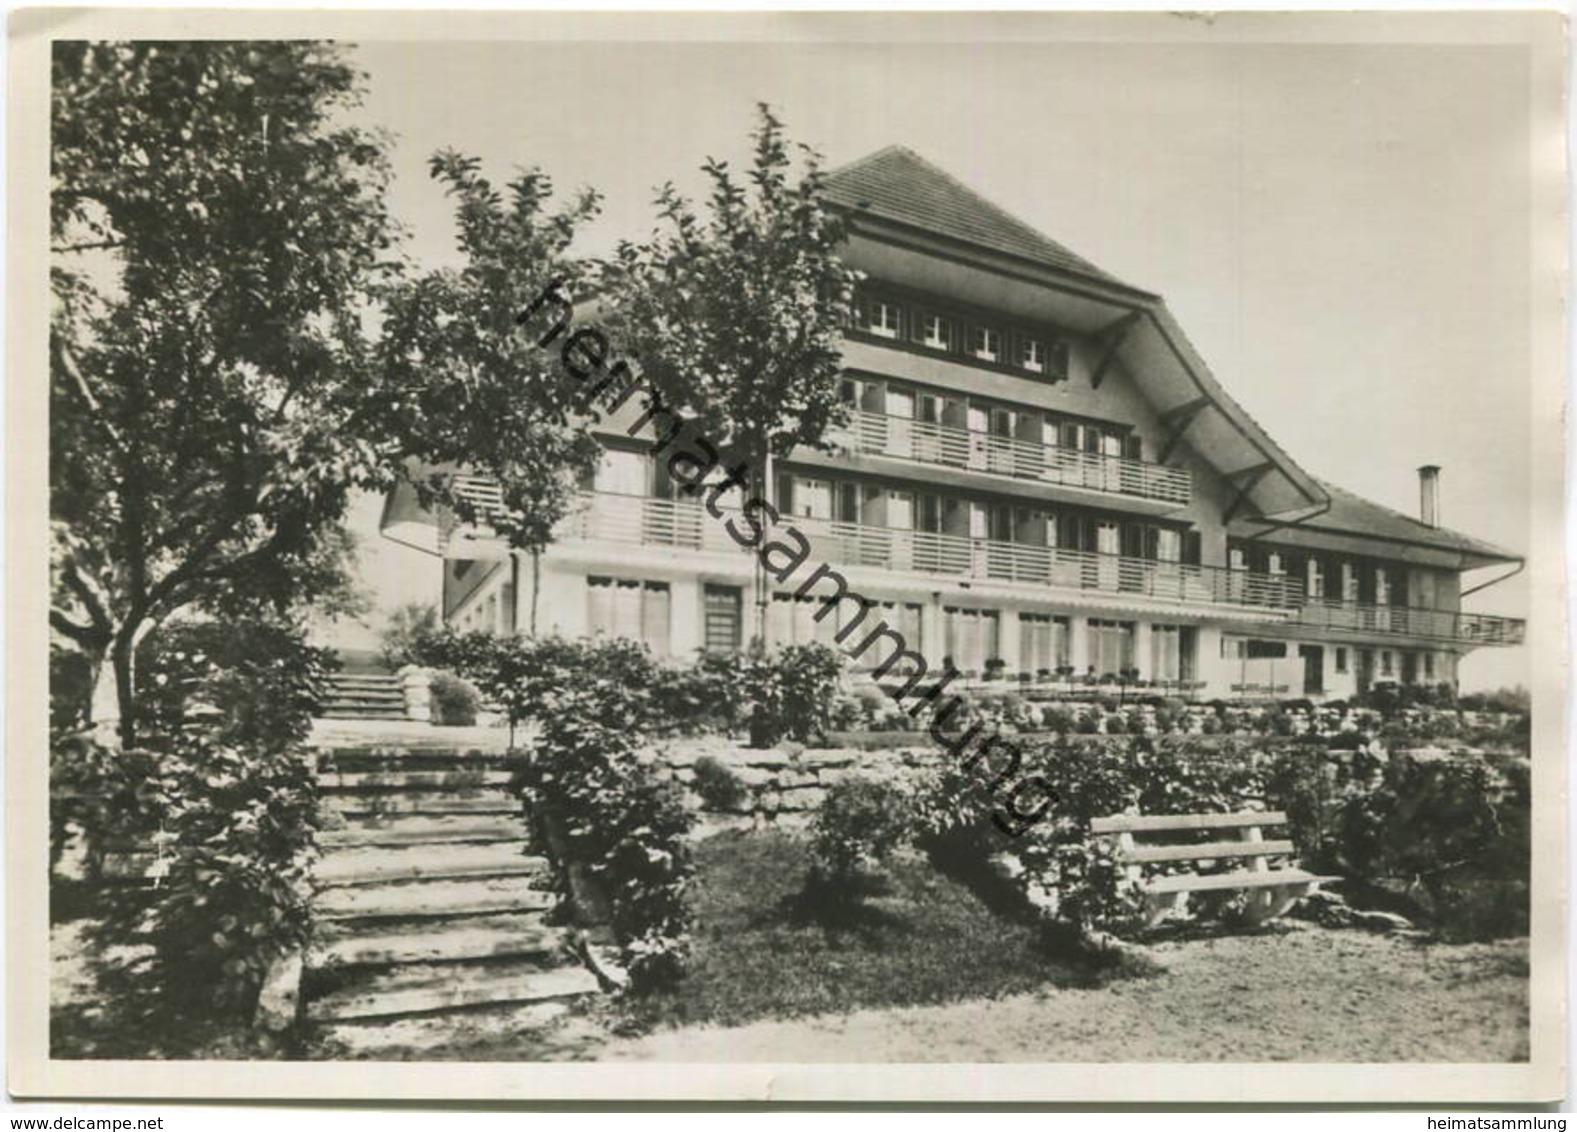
{"type": "Point", "coordinates": [1299, 993]}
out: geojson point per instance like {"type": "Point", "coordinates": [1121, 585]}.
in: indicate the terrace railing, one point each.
{"type": "Point", "coordinates": [1403, 620]}
{"type": "Point", "coordinates": [686, 524]}
{"type": "Point", "coordinates": [664, 522]}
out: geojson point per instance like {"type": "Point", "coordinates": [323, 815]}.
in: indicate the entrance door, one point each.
{"type": "Point", "coordinates": [1365, 669]}
{"type": "Point", "coordinates": [1313, 669]}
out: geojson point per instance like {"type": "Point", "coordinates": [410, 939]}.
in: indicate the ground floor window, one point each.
{"type": "Point", "coordinates": [1386, 665]}
{"type": "Point", "coordinates": [1172, 652]}
{"type": "Point", "coordinates": [1341, 661]}
{"type": "Point", "coordinates": [1111, 646]}
{"type": "Point", "coordinates": [1043, 643]}
{"type": "Point", "coordinates": [623, 607]}
{"type": "Point", "coordinates": [1429, 666]}
{"type": "Point", "coordinates": [973, 637]}
{"type": "Point", "coordinates": [721, 610]}
{"type": "Point", "coordinates": [793, 621]}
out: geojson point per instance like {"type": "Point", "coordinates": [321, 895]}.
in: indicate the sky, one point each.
{"type": "Point", "coordinates": [1341, 230]}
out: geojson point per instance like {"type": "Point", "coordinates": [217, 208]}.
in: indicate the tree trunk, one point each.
{"type": "Point", "coordinates": [536, 587]}
{"type": "Point", "coordinates": [759, 587]}
{"type": "Point", "coordinates": [104, 707]}
{"type": "Point", "coordinates": [112, 710]}
{"type": "Point", "coordinates": [123, 657]}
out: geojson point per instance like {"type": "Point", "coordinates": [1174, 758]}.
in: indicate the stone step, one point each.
{"type": "Point", "coordinates": [343, 759]}
{"type": "Point", "coordinates": [476, 937]}
{"type": "Point", "coordinates": [484, 800]}
{"type": "Point", "coordinates": [390, 712]}
{"type": "Point", "coordinates": [433, 898]}
{"type": "Point", "coordinates": [372, 830]}
{"type": "Point", "coordinates": [372, 781]}
{"type": "Point", "coordinates": [364, 680]}
{"type": "Point", "coordinates": [381, 865]}
{"type": "Point", "coordinates": [380, 1038]}
{"type": "Point", "coordinates": [407, 748]}
{"type": "Point", "coordinates": [447, 986]}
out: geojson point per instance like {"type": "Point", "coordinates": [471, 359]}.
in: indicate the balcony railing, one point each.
{"type": "Point", "coordinates": [662, 522]}
{"type": "Point", "coordinates": [928, 443]}
{"type": "Point", "coordinates": [1402, 620]}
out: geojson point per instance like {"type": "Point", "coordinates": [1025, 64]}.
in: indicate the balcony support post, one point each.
{"type": "Point", "coordinates": [1176, 422]}
{"type": "Point", "coordinates": [1244, 480]}
{"type": "Point", "coordinates": [1115, 335]}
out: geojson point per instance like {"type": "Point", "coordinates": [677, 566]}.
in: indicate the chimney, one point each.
{"type": "Point", "coordinates": [1429, 495]}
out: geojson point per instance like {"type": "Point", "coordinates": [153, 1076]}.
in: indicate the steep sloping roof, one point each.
{"type": "Point", "coordinates": [898, 184]}
{"type": "Point", "coordinates": [1355, 514]}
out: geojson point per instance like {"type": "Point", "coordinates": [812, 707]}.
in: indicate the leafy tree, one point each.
{"type": "Point", "coordinates": [486, 398]}
{"type": "Point", "coordinates": [736, 319]}
{"type": "Point", "coordinates": [217, 228]}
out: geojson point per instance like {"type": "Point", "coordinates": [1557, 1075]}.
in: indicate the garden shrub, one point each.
{"type": "Point", "coordinates": [719, 787]}
{"type": "Point", "coordinates": [1455, 830]}
{"type": "Point", "coordinates": [408, 635]}
{"type": "Point", "coordinates": [706, 697]}
{"type": "Point", "coordinates": [809, 674]}
{"type": "Point", "coordinates": [791, 693]}
{"type": "Point", "coordinates": [788, 694]}
{"type": "Point", "coordinates": [223, 792]}
{"type": "Point", "coordinates": [591, 771]}
{"type": "Point", "coordinates": [455, 702]}
{"type": "Point", "coordinates": [242, 682]}
{"type": "Point", "coordinates": [235, 893]}
{"type": "Point", "coordinates": [861, 824]}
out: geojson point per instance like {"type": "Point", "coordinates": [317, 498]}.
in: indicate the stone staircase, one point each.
{"type": "Point", "coordinates": [432, 914]}
{"type": "Point", "coordinates": [363, 696]}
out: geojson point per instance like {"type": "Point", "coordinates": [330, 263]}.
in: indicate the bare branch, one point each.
{"type": "Point", "coordinates": [69, 365]}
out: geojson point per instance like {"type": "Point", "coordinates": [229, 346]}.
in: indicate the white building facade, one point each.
{"type": "Point", "coordinates": [1040, 482]}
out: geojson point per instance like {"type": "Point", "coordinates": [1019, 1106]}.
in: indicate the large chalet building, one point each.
{"type": "Point", "coordinates": [1040, 481]}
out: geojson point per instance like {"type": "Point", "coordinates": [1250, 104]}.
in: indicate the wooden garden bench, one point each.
{"type": "Point", "coordinates": [1273, 889]}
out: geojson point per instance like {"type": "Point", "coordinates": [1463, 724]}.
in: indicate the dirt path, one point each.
{"type": "Point", "coordinates": [1307, 994]}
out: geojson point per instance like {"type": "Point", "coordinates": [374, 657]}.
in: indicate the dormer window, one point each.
{"type": "Point", "coordinates": [936, 332]}
{"type": "Point", "coordinates": [885, 319]}
{"type": "Point", "coordinates": [1033, 355]}
{"type": "Point", "coordinates": [986, 344]}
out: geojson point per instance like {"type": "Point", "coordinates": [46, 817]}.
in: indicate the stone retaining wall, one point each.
{"type": "Point", "coordinates": [784, 787]}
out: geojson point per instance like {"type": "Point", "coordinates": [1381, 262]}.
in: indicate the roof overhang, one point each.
{"type": "Point", "coordinates": [1139, 330]}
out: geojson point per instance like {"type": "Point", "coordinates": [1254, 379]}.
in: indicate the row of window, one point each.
{"type": "Point", "coordinates": [1373, 664]}
{"type": "Point", "coordinates": [869, 505]}
{"type": "Point", "coordinates": [991, 418]}
{"type": "Point", "coordinates": [972, 636]}
{"type": "Point", "coordinates": [1034, 352]}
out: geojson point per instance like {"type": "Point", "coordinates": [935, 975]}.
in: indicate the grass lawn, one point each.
{"type": "Point", "coordinates": [759, 954]}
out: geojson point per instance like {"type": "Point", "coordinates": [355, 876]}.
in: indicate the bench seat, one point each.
{"type": "Point", "coordinates": [1193, 882]}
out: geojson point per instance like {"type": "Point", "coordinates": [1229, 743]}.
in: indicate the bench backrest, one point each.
{"type": "Point", "coordinates": [1163, 823]}
{"type": "Point", "coordinates": [1248, 826]}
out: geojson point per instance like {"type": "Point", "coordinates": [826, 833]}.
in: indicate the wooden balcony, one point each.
{"type": "Point", "coordinates": [921, 442]}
